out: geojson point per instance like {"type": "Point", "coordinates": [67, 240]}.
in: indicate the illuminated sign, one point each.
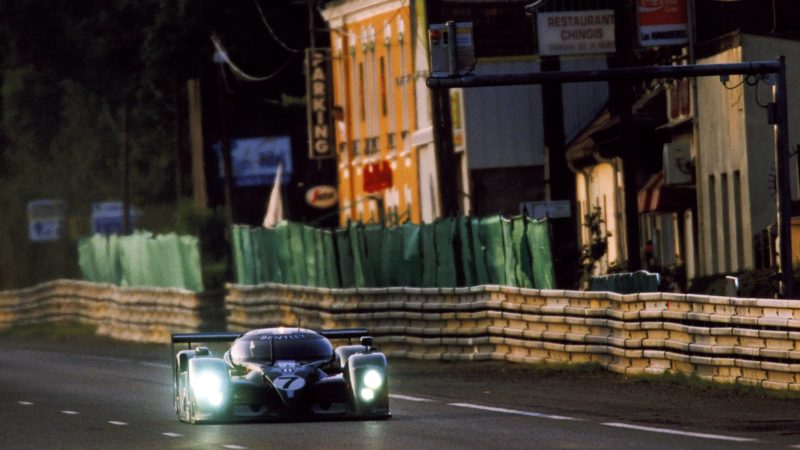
{"type": "Point", "coordinates": [318, 92]}
{"type": "Point", "coordinates": [662, 22]}
{"type": "Point", "coordinates": [322, 196]}
{"type": "Point", "coordinates": [576, 32]}
{"type": "Point", "coordinates": [256, 160]}
{"type": "Point", "coordinates": [109, 217]}
{"type": "Point", "coordinates": [377, 176]}
{"type": "Point", "coordinates": [46, 219]}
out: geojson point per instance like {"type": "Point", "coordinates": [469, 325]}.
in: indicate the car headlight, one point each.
{"type": "Point", "coordinates": [373, 379]}
{"type": "Point", "coordinates": [208, 386]}
{"type": "Point", "coordinates": [367, 394]}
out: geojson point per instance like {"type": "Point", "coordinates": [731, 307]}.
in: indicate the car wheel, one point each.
{"type": "Point", "coordinates": [186, 411]}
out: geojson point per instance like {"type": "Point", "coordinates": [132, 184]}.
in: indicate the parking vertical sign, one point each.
{"type": "Point", "coordinates": [320, 119]}
{"type": "Point", "coordinates": [46, 219]}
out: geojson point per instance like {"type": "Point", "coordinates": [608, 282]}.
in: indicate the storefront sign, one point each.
{"type": "Point", "coordinates": [109, 217]}
{"type": "Point", "coordinates": [322, 196]}
{"type": "Point", "coordinates": [377, 177]}
{"type": "Point", "coordinates": [46, 219]}
{"type": "Point", "coordinates": [256, 160]}
{"type": "Point", "coordinates": [318, 92]}
{"type": "Point", "coordinates": [576, 32]}
{"type": "Point", "coordinates": [554, 209]}
{"type": "Point", "coordinates": [662, 22]}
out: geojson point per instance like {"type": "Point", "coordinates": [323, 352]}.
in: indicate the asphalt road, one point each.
{"type": "Point", "coordinates": [87, 394]}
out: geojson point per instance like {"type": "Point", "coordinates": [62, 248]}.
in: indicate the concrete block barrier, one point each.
{"type": "Point", "coordinates": [729, 340]}
{"type": "Point", "coordinates": [132, 314]}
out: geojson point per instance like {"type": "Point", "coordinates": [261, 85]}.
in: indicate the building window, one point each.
{"type": "Point", "coordinates": [726, 223]}
{"type": "Point", "coordinates": [354, 89]}
{"type": "Point", "coordinates": [361, 90]}
{"type": "Point", "coordinates": [356, 150]}
{"type": "Point", "coordinates": [370, 146]}
{"type": "Point", "coordinates": [712, 224]}
{"type": "Point", "coordinates": [391, 141]}
{"type": "Point", "coordinates": [738, 220]}
{"type": "Point", "coordinates": [384, 108]}
{"type": "Point", "coordinates": [680, 105]}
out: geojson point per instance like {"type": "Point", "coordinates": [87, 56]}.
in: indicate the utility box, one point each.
{"type": "Point", "coordinates": [440, 41]}
{"type": "Point", "coordinates": [677, 163]}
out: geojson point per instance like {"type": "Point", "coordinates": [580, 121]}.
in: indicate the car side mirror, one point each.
{"type": "Point", "coordinates": [366, 341]}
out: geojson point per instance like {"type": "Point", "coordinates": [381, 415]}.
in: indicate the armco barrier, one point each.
{"type": "Point", "coordinates": [132, 314]}
{"type": "Point", "coordinates": [731, 340]}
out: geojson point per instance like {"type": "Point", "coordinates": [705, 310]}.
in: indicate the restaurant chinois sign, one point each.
{"type": "Point", "coordinates": [318, 88]}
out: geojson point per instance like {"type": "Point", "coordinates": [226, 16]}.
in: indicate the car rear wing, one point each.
{"type": "Point", "coordinates": [189, 338]}
{"type": "Point", "coordinates": [344, 333]}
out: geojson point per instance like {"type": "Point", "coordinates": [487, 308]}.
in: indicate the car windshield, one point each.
{"type": "Point", "coordinates": [276, 347]}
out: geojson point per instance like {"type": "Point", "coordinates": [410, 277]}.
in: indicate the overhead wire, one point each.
{"type": "Point", "coordinates": [241, 73]}
{"type": "Point", "coordinates": [750, 80]}
{"type": "Point", "coordinates": [271, 31]}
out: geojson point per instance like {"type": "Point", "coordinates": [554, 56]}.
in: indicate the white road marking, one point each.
{"type": "Point", "coordinates": [718, 437]}
{"type": "Point", "coordinates": [409, 398]}
{"type": "Point", "coordinates": [70, 413]}
{"type": "Point", "coordinates": [234, 447]}
{"type": "Point", "coordinates": [25, 403]}
{"type": "Point", "coordinates": [162, 366]}
{"type": "Point", "coordinates": [109, 359]}
{"type": "Point", "coordinates": [117, 423]}
{"type": "Point", "coordinates": [511, 411]}
{"type": "Point", "coordinates": [172, 435]}
{"type": "Point", "coordinates": [127, 361]}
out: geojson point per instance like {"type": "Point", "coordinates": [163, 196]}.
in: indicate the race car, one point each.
{"type": "Point", "coordinates": [279, 373]}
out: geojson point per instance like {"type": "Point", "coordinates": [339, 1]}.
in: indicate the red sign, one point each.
{"type": "Point", "coordinates": [377, 177]}
{"type": "Point", "coordinates": [662, 22]}
{"type": "Point", "coordinates": [322, 196]}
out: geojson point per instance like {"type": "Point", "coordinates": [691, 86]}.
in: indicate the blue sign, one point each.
{"type": "Point", "coordinates": [107, 218]}
{"type": "Point", "coordinates": [256, 160]}
{"type": "Point", "coordinates": [46, 219]}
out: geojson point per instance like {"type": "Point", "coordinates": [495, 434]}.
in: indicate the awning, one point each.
{"type": "Point", "coordinates": [655, 196]}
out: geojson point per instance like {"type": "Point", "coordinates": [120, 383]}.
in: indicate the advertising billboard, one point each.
{"type": "Point", "coordinates": [256, 160]}
{"type": "Point", "coordinates": [662, 22]}
{"type": "Point", "coordinates": [576, 32]}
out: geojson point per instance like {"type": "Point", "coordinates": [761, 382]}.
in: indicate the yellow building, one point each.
{"type": "Point", "coordinates": [375, 109]}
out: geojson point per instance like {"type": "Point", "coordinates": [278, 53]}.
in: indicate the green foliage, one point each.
{"type": "Point", "coordinates": [68, 70]}
{"type": "Point", "coordinates": [597, 246]}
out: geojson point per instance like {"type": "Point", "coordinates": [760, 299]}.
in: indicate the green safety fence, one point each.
{"type": "Point", "coordinates": [411, 270]}
{"type": "Point", "coordinates": [444, 238]}
{"type": "Point", "coordinates": [345, 260]}
{"type": "Point", "coordinates": [464, 251]}
{"type": "Point", "coordinates": [142, 259]}
{"type": "Point", "coordinates": [491, 235]}
{"type": "Point", "coordinates": [538, 233]}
